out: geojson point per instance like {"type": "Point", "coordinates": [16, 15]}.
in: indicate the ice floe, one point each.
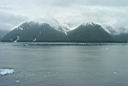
{"type": "Point", "coordinates": [114, 73]}
{"type": "Point", "coordinates": [17, 81]}
{"type": "Point", "coordinates": [6, 71]}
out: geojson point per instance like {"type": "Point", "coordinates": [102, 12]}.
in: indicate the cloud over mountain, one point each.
{"type": "Point", "coordinates": [8, 20]}
{"type": "Point", "coordinates": [70, 13]}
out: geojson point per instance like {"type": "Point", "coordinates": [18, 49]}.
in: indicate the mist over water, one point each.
{"type": "Point", "coordinates": [37, 65]}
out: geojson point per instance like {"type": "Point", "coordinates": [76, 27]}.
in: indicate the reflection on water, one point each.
{"type": "Point", "coordinates": [37, 65]}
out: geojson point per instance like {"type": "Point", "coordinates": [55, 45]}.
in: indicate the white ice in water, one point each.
{"type": "Point", "coordinates": [17, 81]}
{"type": "Point", "coordinates": [115, 73]}
{"type": "Point", "coordinates": [106, 48]}
{"type": "Point", "coordinates": [6, 71]}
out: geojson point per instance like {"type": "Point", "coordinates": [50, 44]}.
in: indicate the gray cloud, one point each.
{"type": "Point", "coordinates": [8, 21]}
{"type": "Point", "coordinates": [85, 2]}
{"type": "Point", "coordinates": [68, 12]}
{"type": "Point", "coordinates": [21, 3]}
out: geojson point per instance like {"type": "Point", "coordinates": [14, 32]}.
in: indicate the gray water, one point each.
{"type": "Point", "coordinates": [95, 65]}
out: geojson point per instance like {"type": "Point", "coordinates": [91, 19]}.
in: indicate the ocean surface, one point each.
{"type": "Point", "coordinates": [63, 64]}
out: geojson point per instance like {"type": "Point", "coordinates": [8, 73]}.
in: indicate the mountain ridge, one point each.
{"type": "Point", "coordinates": [44, 32]}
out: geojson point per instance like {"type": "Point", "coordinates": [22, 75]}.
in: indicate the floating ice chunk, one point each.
{"type": "Point", "coordinates": [115, 73]}
{"type": "Point", "coordinates": [6, 71]}
{"type": "Point", "coordinates": [106, 48]}
{"type": "Point", "coordinates": [17, 81]}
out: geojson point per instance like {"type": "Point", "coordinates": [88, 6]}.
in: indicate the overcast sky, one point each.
{"type": "Point", "coordinates": [67, 12]}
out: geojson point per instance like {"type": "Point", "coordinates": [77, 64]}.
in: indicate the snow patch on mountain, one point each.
{"type": "Point", "coordinates": [17, 38]}
{"type": "Point", "coordinates": [20, 28]}
{"type": "Point", "coordinates": [34, 39]}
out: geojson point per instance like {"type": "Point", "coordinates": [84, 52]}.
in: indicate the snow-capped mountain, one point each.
{"type": "Point", "coordinates": [51, 31]}
{"type": "Point", "coordinates": [34, 31]}
{"type": "Point", "coordinates": [89, 33]}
